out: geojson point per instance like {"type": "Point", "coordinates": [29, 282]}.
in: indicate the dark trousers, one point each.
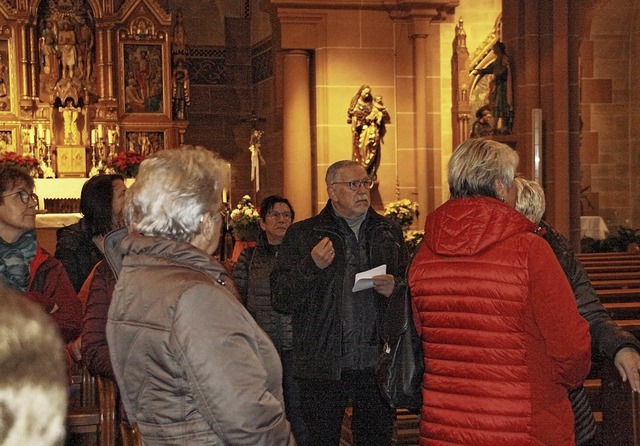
{"type": "Point", "coordinates": [324, 402]}
{"type": "Point", "coordinates": [291, 390]}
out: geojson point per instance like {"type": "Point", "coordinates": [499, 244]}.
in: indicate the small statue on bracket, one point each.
{"type": "Point", "coordinates": [368, 118]}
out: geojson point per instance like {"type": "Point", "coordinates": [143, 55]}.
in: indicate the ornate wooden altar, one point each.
{"type": "Point", "coordinates": [81, 80]}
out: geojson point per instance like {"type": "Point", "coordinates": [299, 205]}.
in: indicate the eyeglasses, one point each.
{"type": "Point", "coordinates": [276, 215]}
{"type": "Point", "coordinates": [355, 184]}
{"type": "Point", "coordinates": [25, 196]}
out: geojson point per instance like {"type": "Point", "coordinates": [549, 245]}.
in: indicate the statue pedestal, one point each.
{"type": "Point", "coordinates": [72, 161]}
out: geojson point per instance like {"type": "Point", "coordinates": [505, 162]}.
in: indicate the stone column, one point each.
{"type": "Point", "coordinates": [297, 169]}
{"type": "Point", "coordinates": [420, 95]}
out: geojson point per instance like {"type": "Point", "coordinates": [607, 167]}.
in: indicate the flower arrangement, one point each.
{"type": "Point", "coordinates": [244, 220]}
{"type": "Point", "coordinates": [412, 240]}
{"type": "Point", "coordinates": [126, 163]}
{"type": "Point", "coordinates": [402, 212]}
{"type": "Point", "coordinates": [26, 162]}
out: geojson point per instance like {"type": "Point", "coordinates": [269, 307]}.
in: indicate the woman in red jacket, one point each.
{"type": "Point", "coordinates": [24, 265]}
{"type": "Point", "coordinates": [501, 335]}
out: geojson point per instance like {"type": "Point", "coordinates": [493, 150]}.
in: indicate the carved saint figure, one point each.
{"type": "Point", "coordinates": [67, 48]}
{"type": "Point", "coordinates": [180, 84]}
{"type": "Point", "coordinates": [70, 122]}
{"type": "Point", "coordinates": [499, 88]}
{"type": "Point", "coordinates": [368, 119]}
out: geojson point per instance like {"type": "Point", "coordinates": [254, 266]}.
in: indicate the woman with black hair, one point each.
{"type": "Point", "coordinates": [79, 246]}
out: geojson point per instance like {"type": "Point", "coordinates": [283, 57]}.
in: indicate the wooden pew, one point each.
{"type": "Point", "coordinates": [623, 310]}
{"type": "Point", "coordinates": [603, 284]}
{"type": "Point", "coordinates": [92, 420]}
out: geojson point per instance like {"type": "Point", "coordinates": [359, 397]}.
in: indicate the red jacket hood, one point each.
{"type": "Point", "coordinates": [467, 226]}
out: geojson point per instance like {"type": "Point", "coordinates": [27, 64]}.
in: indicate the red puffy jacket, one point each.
{"type": "Point", "coordinates": [500, 331]}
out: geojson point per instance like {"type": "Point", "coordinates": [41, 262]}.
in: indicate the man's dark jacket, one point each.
{"type": "Point", "coordinates": [315, 297]}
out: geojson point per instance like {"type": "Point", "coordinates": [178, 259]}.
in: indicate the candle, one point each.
{"type": "Point", "coordinates": [47, 136]}
{"type": "Point", "coordinates": [40, 131]}
{"type": "Point", "coordinates": [99, 130]}
{"type": "Point", "coordinates": [224, 195]}
{"type": "Point", "coordinates": [32, 135]}
{"type": "Point", "coordinates": [110, 136]}
{"type": "Point", "coordinates": [93, 136]}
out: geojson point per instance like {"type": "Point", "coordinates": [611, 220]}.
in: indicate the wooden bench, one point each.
{"type": "Point", "coordinates": [607, 268]}
{"type": "Point", "coordinates": [619, 294]}
{"type": "Point", "coordinates": [623, 310]}
{"type": "Point", "coordinates": [604, 284]}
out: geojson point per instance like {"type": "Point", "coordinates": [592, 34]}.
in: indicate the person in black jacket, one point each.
{"type": "Point", "coordinates": [336, 341]}
{"type": "Point", "coordinates": [608, 340]}
{"type": "Point", "coordinates": [251, 276]}
{"type": "Point", "coordinates": [78, 246]}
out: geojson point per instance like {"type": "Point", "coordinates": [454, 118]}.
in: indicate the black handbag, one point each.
{"type": "Point", "coordinates": [401, 365]}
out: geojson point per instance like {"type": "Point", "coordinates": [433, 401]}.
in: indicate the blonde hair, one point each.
{"type": "Point", "coordinates": [475, 166]}
{"type": "Point", "coordinates": [173, 190]}
{"type": "Point", "coordinates": [530, 199]}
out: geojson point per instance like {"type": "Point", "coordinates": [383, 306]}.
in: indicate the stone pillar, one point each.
{"type": "Point", "coordinates": [420, 95]}
{"type": "Point", "coordinates": [297, 169]}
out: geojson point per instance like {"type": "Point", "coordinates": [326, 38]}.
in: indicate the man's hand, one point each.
{"type": "Point", "coordinates": [323, 253]}
{"type": "Point", "coordinates": [384, 284]}
{"type": "Point", "coordinates": [627, 361]}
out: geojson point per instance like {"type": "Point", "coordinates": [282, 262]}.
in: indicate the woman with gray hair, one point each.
{"type": "Point", "coordinates": [608, 340]}
{"type": "Point", "coordinates": [501, 335]}
{"type": "Point", "coordinates": [192, 365]}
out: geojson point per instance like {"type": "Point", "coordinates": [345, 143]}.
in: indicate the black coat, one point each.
{"type": "Point", "coordinates": [77, 252]}
{"type": "Point", "coordinates": [251, 277]}
{"type": "Point", "coordinates": [331, 324]}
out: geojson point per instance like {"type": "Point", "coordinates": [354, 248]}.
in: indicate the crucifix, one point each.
{"type": "Point", "coordinates": [254, 147]}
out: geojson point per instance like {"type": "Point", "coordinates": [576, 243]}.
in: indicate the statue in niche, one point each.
{"type": "Point", "coordinates": [180, 85]}
{"type": "Point", "coordinates": [368, 118]}
{"type": "Point", "coordinates": [48, 52]}
{"type": "Point", "coordinates": [85, 48]}
{"type": "Point", "coordinates": [67, 47]}
{"type": "Point", "coordinates": [500, 91]}
{"type": "Point", "coordinates": [70, 123]}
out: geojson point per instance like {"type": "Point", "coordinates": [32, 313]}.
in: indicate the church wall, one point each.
{"type": "Point", "coordinates": [360, 49]}
{"type": "Point", "coordinates": [609, 151]}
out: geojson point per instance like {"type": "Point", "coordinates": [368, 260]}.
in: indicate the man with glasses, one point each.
{"type": "Point", "coordinates": [335, 330]}
{"type": "Point", "coordinates": [24, 265]}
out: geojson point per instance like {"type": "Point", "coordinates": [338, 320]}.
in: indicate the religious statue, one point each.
{"type": "Point", "coordinates": [500, 91]}
{"type": "Point", "coordinates": [180, 86]}
{"type": "Point", "coordinates": [70, 123]}
{"type": "Point", "coordinates": [256, 156]}
{"type": "Point", "coordinates": [483, 125]}
{"type": "Point", "coordinates": [68, 51]}
{"type": "Point", "coordinates": [368, 118]}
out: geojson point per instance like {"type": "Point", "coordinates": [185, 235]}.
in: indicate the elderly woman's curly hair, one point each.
{"type": "Point", "coordinates": [173, 191]}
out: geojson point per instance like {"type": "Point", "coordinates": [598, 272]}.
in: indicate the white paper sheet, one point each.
{"type": "Point", "coordinates": [364, 280]}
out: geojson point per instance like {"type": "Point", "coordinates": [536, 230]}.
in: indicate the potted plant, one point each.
{"type": "Point", "coordinates": [244, 220]}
